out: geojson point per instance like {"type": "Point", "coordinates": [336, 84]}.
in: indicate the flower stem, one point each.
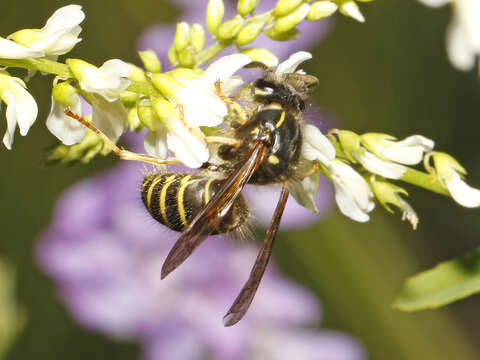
{"type": "Point", "coordinates": [210, 52]}
{"type": "Point", "coordinates": [43, 65]}
{"type": "Point", "coordinates": [424, 180]}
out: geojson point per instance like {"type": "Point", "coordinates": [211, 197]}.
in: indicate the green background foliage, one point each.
{"type": "Point", "coordinates": [387, 75]}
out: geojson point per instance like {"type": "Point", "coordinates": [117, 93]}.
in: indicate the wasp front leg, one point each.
{"type": "Point", "coordinates": [232, 103]}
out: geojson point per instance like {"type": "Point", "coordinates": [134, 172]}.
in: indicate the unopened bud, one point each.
{"type": "Point", "coordinates": [182, 36]}
{"type": "Point", "coordinates": [145, 113]}
{"type": "Point", "coordinates": [321, 9]}
{"type": "Point", "coordinates": [245, 7]}
{"type": "Point", "coordinates": [197, 37]}
{"type": "Point", "coordinates": [261, 55]}
{"type": "Point", "coordinates": [249, 33]}
{"type": "Point", "coordinates": [282, 36]}
{"type": "Point", "coordinates": [65, 94]}
{"type": "Point", "coordinates": [289, 22]}
{"type": "Point", "coordinates": [150, 60]}
{"type": "Point", "coordinates": [172, 55]}
{"type": "Point", "coordinates": [215, 12]}
{"type": "Point", "coordinates": [285, 7]}
{"type": "Point", "coordinates": [229, 29]}
{"type": "Point", "coordinates": [136, 73]}
{"type": "Point", "coordinates": [186, 58]}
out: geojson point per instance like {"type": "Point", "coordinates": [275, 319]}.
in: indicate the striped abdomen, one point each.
{"type": "Point", "coordinates": [174, 199]}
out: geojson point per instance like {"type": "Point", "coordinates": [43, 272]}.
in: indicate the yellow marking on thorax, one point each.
{"type": "Point", "coordinates": [150, 191]}
{"type": "Point", "coordinates": [255, 131]}
{"type": "Point", "coordinates": [181, 209]}
{"type": "Point", "coordinates": [163, 198]}
{"type": "Point", "coordinates": [281, 121]}
{"type": "Point", "coordinates": [272, 159]}
{"type": "Point", "coordinates": [207, 190]}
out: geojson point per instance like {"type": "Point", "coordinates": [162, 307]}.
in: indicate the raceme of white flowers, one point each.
{"type": "Point", "coordinates": [183, 107]}
{"type": "Point", "coordinates": [463, 32]}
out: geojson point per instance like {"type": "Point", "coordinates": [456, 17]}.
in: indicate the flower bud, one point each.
{"type": "Point", "coordinates": [350, 8]}
{"type": "Point", "coordinates": [388, 193]}
{"type": "Point", "coordinates": [289, 22]}
{"type": "Point", "coordinates": [186, 58]}
{"type": "Point", "coordinates": [229, 29]}
{"type": "Point", "coordinates": [350, 143]}
{"type": "Point", "coordinates": [285, 7]}
{"type": "Point", "coordinates": [65, 94]}
{"type": "Point", "coordinates": [321, 9]}
{"type": "Point", "coordinates": [150, 60]}
{"type": "Point", "coordinates": [197, 37]}
{"type": "Point", "coordinates": [136, 73]}
{"type": "Point", "coordinates": [282, 36]}
{"type": "Point", "coordinates": [145, 113]}
{"type": "Point", "coordinates": [172, 55]}
{"type": "Point", "coordinates": [249, 33]}
{"type": "Point", "coordinates": [245, 7]}
{"type": "Point", "coordinates": [262, 56]}
{"type": "Point", "coordinates": [215, 12]}
{"type": "Point", "coordinates": [182, 36]}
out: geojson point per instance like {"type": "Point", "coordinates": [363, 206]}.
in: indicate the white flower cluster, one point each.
{"type": "Point", "coordinates": [57, 37]}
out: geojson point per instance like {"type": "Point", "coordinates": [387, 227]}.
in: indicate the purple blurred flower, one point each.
{"type": "Point", "coordinates": [105, 252]}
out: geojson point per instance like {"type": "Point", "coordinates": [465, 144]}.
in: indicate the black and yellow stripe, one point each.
{"type": "Point", "coordinates": [174, 199]}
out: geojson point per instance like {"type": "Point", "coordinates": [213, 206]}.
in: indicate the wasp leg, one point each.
{"type": "Point", "coordinates": [315, 167]}
{"type": "Point", "coordinates": [122, 153]}
{"type": "Point", "coordinates": [232, 103]}
{"type": "Point", "coordinates": [223, 140]}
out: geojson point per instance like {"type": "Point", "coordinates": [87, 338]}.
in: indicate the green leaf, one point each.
{"type": "Point", "coordinates": [445, 283]}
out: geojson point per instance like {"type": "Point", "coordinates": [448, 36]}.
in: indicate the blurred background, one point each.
{"type": "Point", "coordinates": [389, 75]}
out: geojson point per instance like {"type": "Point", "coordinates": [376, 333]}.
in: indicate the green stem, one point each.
{"type": "Point", "coordinates": [43, 65]}
{"type": "Point", "coordinates": [424, 180]}
{"type": "Point", "coordinates": [210, 52]}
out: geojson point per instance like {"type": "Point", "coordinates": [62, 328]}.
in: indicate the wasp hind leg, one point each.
{"type": "Point", "coordinates": [122, 153]}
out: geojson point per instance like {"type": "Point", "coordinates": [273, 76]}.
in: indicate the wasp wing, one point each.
{"type": "Point", "coordinates": [214, 211]}
{"type": "Point", "coordinates": [245, 297]}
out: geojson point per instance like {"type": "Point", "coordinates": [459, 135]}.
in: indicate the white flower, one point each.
{"type": "Point", "coordinates": [185, 141]}
{"type": "Point", "coordinates": [58, 36]}
{"type": "Point", "coordinates": [109, 80]}
{"type": "Point", "coordinates": [409, 151]}
{"type": "Point", "coordinates": [21, 107]}
{"type": "Point", "coordinates": [196, 93]}
{"type": "Point", "coordinates": [68, 130]}
{"type": "Point", "coordinates": [106, 83]}
{"type": "Point", "coordinates": [305, 191]}
{"type": "Point", "coordinates": [450, 172]}
{"type": "Point", "coordinates": [352, 192]}
{"type": "Point", "coordinates": [316, 146]}
{"type": "Point", "coordinates": [11, 50]}
{"type": "Point", "coordinates": [463, 32]}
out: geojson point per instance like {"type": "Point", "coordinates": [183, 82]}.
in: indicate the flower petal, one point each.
{"type": "Point", "coordinates": [11, 50]}
{"type": "Point", "coordinates": [352, 192]}
{"type": "Point", "coordinates": [380, 167]}
{"type": "Point", "coordinates": [68, 130]}
{"type": "Point", "coordinates": [316, 146]}
{"type": "Point", "coordinates": [67, 17]}
{"type": "Point", "coordinates": [435, 3]}
{"type": "Point", "coordinates": [109, 117]}
{"type": "Point", "coordinates": [408, 151]}
{"type": "Point", "coordinates": [305, 191]}
{"type": "Point", "coordinates": [226, 66]}
{"type": "Point", "coordinates": [188, 148]}
{"type": "Point", "coordinates": [461, 192]}
{"type": "Point", "coordinates": [459, 51]}
{"type": "Point", "coordinates": [291, 64]}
